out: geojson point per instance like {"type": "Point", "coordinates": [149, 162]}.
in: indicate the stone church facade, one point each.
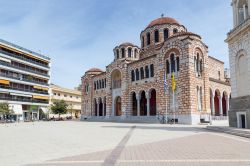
{"type": "Point", "coordinates": [132, 86]}
{"type": "Point", "coordinates": [238, 40]}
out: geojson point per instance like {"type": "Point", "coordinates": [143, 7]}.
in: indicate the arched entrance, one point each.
{"type": "Point", "coordinates": [118, 105]}
{"type": "Point", "coordinates": [152, 102]}
{"type": "Point", "coordinates": [143, 104]}
{"type": "Point", "coordinates": [134, 104]}
{"type": "Point", "coordinates": [216, 103]}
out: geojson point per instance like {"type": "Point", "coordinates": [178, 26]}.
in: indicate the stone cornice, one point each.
{"type": "Point", "coordinates": [238, 29]}
{"type": "Point", "coordinates": [219, 81]}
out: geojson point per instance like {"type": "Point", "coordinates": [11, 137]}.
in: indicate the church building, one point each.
{"type": "Point", "coordinates": [137, 85]}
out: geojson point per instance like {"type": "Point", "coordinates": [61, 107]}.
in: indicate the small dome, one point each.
{"type": "Point", "coordinates": [163, 20]}
{"type": "Point", "coordinates": [94, 70]}
{"type": "Point", "coordinates": [126, 44]}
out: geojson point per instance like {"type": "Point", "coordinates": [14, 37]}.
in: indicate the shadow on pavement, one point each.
{"type": "Point", "coordinates": [166, 128]}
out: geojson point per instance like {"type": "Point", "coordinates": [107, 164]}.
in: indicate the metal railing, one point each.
{"type": "Point", "coordinates": [23, 58]}
{"type": "Point", "coordinates": [24, 90]}
{"type": "Point", "coordinates": [23, 79]}
{"type": "Point", "coordinates": [24, 100]}
{"type": "Point", "coordinates": [22, 68]}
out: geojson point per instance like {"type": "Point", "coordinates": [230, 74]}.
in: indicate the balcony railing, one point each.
{"type": "Point", "coordinates": [22, 68]}
{"type": "Point", "coordinates": [24, 90]}
{"type": "Point", "coordinates": [22, 79]}
{"type": "Point", "coordinates": [23, 58]}
{"type": "Point", "coordinates": [23, 100]}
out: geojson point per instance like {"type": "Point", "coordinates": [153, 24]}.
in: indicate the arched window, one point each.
{"type": "Point", "coordinates": [117, 54]}
{"type": "Point", "coordinates": [172, 59]}
{"type": "Point", "coordinates": [165, 34]}
{"type": "Point", "coordinates": [152, 70]}
{"type": "Point", "coordinates": [142, 42]}
{"type": "Point", "coordinates": [105, 82]}
{"type": "Point", "coordinates": [132, 75]}
{"type": "Point", "coordinates": [156, 36]}
{"type": "Point", "coordinates": [167, 67]}
{"type": "Point", "coordinates": [97, 85]}
{"type": "Point", "coordinates": [148, 38]}
{"type": "Point", "coordinates": [135, 55]}
{"type": "Point", "coordinates": [178, 63]}
{"type": "Point", "coordinates": [123, 52]}
{"type": "Point", "coordinates": [94, 85]}
{"type": "Point", "coordinates": [242, 74]}
{"type": "Point", "coordinates": [175, 31]}
{"type": "Point", "coordinates": [102, 83]}
{"type": "Point", "coordinates": [137, 74]}
{"type": "Point", "coordinates": [195, 63]}
{"type": "Point", "coordinates": [129, 52]}
{"type": "Point", "coordinates": [142, 72]}
{"type": "Point", "coordinates": [201, 66]}
{"type": "Point", "coordinates": [147, 72]}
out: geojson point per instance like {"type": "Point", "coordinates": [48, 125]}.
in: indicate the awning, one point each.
{"type": "Point", "coordinates": [39, 87]}
{"type": "Point", "coordinates": [20, 94]}
{"type": "Point", "coordinates": [6, 82]}
{"type": "Point", "coordinates": [40, 97]}
{"type": "Point", "coordinates": [5, 59]}
{"type": "Point", "coordinates": [17, 108]}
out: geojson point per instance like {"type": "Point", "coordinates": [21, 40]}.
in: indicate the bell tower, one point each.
{"type": "Point", "coordinates": [241, 11]}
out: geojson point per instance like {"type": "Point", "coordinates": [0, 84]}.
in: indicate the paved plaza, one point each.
{"type": "Point", "coordinates": [74, 143]}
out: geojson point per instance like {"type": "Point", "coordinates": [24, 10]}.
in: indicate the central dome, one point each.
{"type": "Point", "coordinates": [163, 20]}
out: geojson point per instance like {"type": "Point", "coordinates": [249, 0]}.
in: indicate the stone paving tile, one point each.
{"type": "Point", "coordinates": [197, 150]}
{"type": "Point", "coordinates": [200, 146]}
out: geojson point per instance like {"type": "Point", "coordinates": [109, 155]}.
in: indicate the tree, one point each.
{"type": "Point", "coordinates": [5, 109]}
{"type": "Point", "coordinates": [59, 107]}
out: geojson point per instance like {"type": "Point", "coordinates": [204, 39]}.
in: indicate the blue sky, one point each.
{"type": "Point", "coordinates": [80, 34]}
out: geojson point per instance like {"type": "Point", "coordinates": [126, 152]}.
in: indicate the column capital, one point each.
{"type": "Point", "coordinates": [138, 97]}
{"type": "Point", "coordinates": [148, 95]}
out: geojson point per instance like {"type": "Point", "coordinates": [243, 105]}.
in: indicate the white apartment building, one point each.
{"type": "Point", "coordinates": [71, 96]}
{"type": "Point", "coordinates": [24, 80]}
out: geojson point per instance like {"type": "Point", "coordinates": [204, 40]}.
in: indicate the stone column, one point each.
{"type": "Point", "coordinates": [103, 108]}
{"type": "Point", "coordinates": [212, 103]}
{"type": "Point", "coordinates": [245, 12]}
{"type": "Point", "coordinates": [98, 107]}
{"type": "Point", "coordinates": [138, 104]}
{"type": "Point", "coordinates": [248, 4]}
{"type": "Point", "coordinates": [234, 13]}
{"type": "Point", "coordinates": [227, 104]}
{"type": "Point", "coordinates": [220, 106]}
{"type": "Point", "coordinates": [148, 103]}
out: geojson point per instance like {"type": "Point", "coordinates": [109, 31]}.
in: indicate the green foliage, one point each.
{"type": "Point", "coordinates": [59, 107]}
{"type": "Point", "coordinates": [4, 109]}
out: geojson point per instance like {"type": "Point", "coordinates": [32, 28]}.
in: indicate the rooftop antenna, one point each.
{"type": "Point", "coordinates": [162, 15]}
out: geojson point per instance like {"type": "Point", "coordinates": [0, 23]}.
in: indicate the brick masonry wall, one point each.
{"type": "Point", "coordinates": [185, 47]}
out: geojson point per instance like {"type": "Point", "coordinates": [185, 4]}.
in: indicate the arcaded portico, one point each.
{"type": "Point", "coordinates": [132, 86]}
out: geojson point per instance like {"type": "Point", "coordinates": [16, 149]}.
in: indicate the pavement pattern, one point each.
{"type": "Point", "coordinates": [119, 144]}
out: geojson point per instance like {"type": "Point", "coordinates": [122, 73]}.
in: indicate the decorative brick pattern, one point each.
{"type": "Point", "coordinates": [183, 45]}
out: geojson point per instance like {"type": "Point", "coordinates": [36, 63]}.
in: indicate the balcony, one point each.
{"type": "Point", "coordinates": [23, 79]}
{"type": "Point", "coordinates": [24, 89]}
{"type": "Point", "coordinates": [23, 100]}
{"type": "Point", "coordinates": [24, 58]}
{"type": "Point", "coordinates": [22, 68]}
